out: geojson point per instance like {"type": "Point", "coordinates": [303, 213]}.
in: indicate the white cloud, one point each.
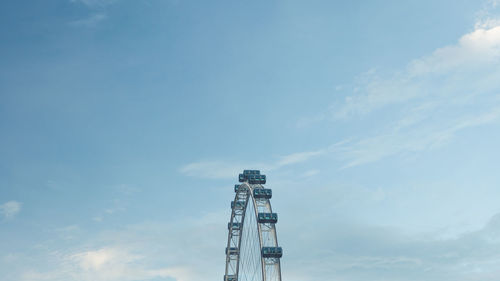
{"type": "Point", "coordinates": [474, 58]}
{"type": "Point", "coordinates": [429, 101]}
{"type": "Point", "coordinates": [343, 251]}
{"type": "Point", "coordinates": [98, 12]}
{"type": "Point", "coordinates": [94, 3]}
{"type": "Point", "coordinates": [94, 260]}
{"type": "Point", "coordinates": [105, 264]}
{"type": "Point", "coordinates": [97, 219]}
{"type": "Point", "coordinates": [214, 169]}
{"type": "Point", "coordinates": [476, 49]}
{"type": "Point", "coordinates": [90, 21]}
{"type": "Point", "coordinates": [371, 149]}
{"type": "Point", "coordinates": [187, 249]}
{"type": "Point", "coordinates": [487, 17]}
{"type": "Point", "coordinates": [432, 99]}
{"type": "Point", "coordinates": [10, 209]}
{"type": "Point", "coordinates": [226, 170]}
{"type": "Point", "coordinates": [299, 157]}
{"type": "Point", "coordinates": [310, 173]}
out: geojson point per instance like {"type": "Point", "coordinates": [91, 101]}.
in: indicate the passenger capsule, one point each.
{"type": "Point", "coordinates": [239, 187]}
{"type": "Point", "coordinates": [262, 193]}
{"type": "Point", "coordinates": [252, 177]}
{"type": "Point", "coordinates": [257, 179]}
{"type": "Point", "coordinates": [235, 225]}
{"type": "Point", "coordinates": [272, 252]}
{"type": "Point", "coordinates": [267, 218]}
{"type": "Point", "coordinates": [230, 278]}
{"type": "Point", "coordinates": [231, 251]}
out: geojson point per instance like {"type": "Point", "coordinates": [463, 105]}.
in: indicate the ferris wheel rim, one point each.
{"type": "Point", "coordinates": [245, 190]}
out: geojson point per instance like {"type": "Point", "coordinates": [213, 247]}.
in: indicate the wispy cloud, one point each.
{"type": "Point", "coordinates": [10, 209]}
{"type": "Point", "coordinates": [94, 3]}
{"type": "Point", "coordinates": [374, 148]}
{"type": "Point", "coordinates": [227, 169]}
{"type": "Point", "coordinates": [436, 77]}
{"type": "Point", "coordinates": [184, 250]}
{"type": "Point", "coordinates": [433, 98]}
{"type": "Point", "coordinates": [98, 12]}
{"type": "Point", "coordinates": [190, 251]}
{"type": "Point", "coordinates": [91, 21]}
{"type": "Point", "coordinates": [429, 101]}
{"type": "Point", "coordinates": [299, 157]}
{"type": "Point", "coordinates": [108, 264]}
{"type": "Point", "coordinates": [354, 252]}
{"type": "Point", "coordinates": [214, 169]}
{"type": "Point", "coordinates": [487, 16]}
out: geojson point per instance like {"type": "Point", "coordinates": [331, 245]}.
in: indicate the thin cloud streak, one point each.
{"type": "Point", "coordinates": [91, 21]}
{"type": "Point", "coordinates": [227, 170]}
{"type": "Point", "coordinates": [94, 3]}
{"type": "Point", "coordinates": [435, 97]}
{"type": "Point", "coordinates": [477, 53]}
{"type": "Point", "coordinates": [376, 148]}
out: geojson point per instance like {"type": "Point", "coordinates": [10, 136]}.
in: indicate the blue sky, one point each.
{"type": "Point", "coordinates": [124, 125]}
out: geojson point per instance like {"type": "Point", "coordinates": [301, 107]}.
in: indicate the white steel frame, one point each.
{"type": "Point", "coordinates": [271, 269]}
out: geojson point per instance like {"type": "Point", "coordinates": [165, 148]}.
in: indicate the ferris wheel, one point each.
{"type": "Point", "coordinates": [252, 252]}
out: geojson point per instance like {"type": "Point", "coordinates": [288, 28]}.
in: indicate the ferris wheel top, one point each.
{"type": "Point", "coordinates": [252, 251]}
{"type": "Point", "coordinates": [252, 177]}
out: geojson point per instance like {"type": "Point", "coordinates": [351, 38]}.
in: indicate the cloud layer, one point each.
{"type": "Point", "coordinates": [182, 250]}
{"type": "Point", "coordinates": [357, 252]}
